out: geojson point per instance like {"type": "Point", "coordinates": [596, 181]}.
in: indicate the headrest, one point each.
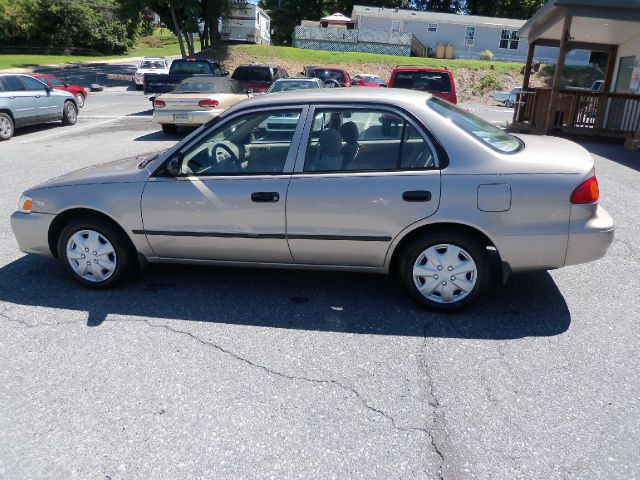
{"type": "Point", "coordinates": [349, 132]}
{"type": "Point", "coordinates": [330, 141]}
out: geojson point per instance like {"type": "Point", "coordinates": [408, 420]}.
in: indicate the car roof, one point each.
{"type": "Point", "coordinates": [367, 75]}
{"type": "Point", "coordinates": [419, 68]}
{"type": "Point", "coordinates": [269, 65]}
{"type": "Point", "coordinates": [330, 68]}
{"type": "Point", "coordinates": [154, 58]}
{"type": "Point", "coordinates": [298, 79]}
{"type": "Point", "coordinates": [338, 95]}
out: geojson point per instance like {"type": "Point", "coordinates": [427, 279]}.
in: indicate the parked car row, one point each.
{"type": "Point", "coordinates": [34, 99]}
{"type": "Point", "coordinates": [202, 96]}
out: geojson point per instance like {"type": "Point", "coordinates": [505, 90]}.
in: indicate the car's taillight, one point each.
{"type": "Point", "coordinates": [208, 103]}
{"type": "Point", "coordinates": [159, 103]}
{"type": "Point", "coordinates": [586, 192]}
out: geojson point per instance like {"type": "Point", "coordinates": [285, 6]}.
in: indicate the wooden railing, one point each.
{"type": "Point", "coordinates": [579, 111]}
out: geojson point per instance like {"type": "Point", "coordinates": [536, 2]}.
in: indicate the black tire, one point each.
{"type": "Point", "coordinates": [80, 99]}
{"type": "Point", "coordinates": [470, 246]}
{"type": "Point", "coordinates": [7, 127]}
{"type": "Point", "coordinates": [169, 128]}
{"type": "Point", "coordinates": [124, 255]}
{"type": "Point", "coordinates": [69, 113]}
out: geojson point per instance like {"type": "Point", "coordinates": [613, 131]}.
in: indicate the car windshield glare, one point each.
{"type": "Point", "coordinates": [293, 85]}
{"type": "Point", "coordinates": [324, 74]}
{"type": "Point", "coordinates": [486, 132]}
{"type": "Point", "coordinates": [202, 87]}
{"type": "Point", "coordinates": [425, 81]}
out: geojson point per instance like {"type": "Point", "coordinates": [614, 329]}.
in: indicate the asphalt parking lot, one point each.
{"type": "Point", "coordinates": [192, 372]}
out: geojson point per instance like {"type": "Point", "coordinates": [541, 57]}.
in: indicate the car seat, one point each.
{"type": "Point", "coordinates": [329, 156]}
{"type": "Point", "coordinates": [350, 134]}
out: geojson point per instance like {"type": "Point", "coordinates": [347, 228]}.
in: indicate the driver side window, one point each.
{"type": "Point", "coordinates": [253, 144]}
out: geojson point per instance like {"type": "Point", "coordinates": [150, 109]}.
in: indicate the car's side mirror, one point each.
{"type": "Point", "coordinates": [225, 73]}
{"type": "Point", "coordinates": [249, 91]}
{"type": "Point", "coordinates": [174, 165]}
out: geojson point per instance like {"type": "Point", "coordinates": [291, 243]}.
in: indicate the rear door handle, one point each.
{"type": "Point", "coordinates": [416, 196]}
{"type": "Point", "coordinates": [265, 196]}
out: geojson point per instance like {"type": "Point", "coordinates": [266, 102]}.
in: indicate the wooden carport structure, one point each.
{"type": "Point", "coordinates": [597, 25]}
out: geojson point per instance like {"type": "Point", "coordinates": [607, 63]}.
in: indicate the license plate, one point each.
{"type": "Point", "coordinates": [181, 117]}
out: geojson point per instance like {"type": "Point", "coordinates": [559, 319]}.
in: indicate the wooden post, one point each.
{"type": "Point", "coordinates": [603, 96]}
{"type": "Point", "coordinates": [557, 77]}
{"type": "Point", "coordinates": [527, 66]}
{"type": "Point", "coordinates": [517, 115]}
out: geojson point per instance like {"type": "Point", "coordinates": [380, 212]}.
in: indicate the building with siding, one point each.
{"type": "Point", "coordinates": [469, 35]}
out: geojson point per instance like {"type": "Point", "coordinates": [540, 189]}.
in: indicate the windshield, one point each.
{"type": "Point", "coordinates": [486, 132]}
{"type": "Point", "coordinates": [152, 65]}
{"type": "Point", "coordinates": [293, 85]}
{"type": "Point", "coordinates": [336, 75]}
{"type": "Point", "coordinates": [252, 74]}
{"type": "Point", "coordinates": [423, 81]}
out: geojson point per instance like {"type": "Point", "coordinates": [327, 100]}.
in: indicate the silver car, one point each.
{"type": "Point", "coordinates": [25, 100]}
{"type": "Point", "coordinates": [369, 180]}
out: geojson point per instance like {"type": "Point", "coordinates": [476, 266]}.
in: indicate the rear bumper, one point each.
{"type": "Point", "coordinates": [589, 238]}
{"type": "Point", "coordinates": [194, 117]}
{"type": "Point", "coordinates": [32, 232]}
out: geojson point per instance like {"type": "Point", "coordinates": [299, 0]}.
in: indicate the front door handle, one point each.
{"type": "Point", "coordinates": [265, 196]}
{"type": "Point", "coordinates": [416, 196]}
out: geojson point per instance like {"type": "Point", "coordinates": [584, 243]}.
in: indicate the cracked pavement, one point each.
{"type": "Point", "coordinates": [192, 372]}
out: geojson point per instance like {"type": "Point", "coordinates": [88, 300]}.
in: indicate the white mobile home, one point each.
{"type": "Point", "coordinates": [249, 24]}
{"type": "Point", "coordinates": [469, 35]}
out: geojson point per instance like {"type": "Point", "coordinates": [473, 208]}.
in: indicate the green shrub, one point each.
{"type": "Point", "coordinates": [490, 82]}
{"type": "Point", "coordinates": [486, 55]}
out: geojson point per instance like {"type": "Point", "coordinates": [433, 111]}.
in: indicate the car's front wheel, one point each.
{"type": "Point", "coordinates": [6, 127]}
{"type": "Point", "coordinates": [69, 113]}
{"type": "Point", "coordinates": [445, 271]}
{"type": "Point", "coordinates": [80, 99]}
{"type": "Point", "coordinates": [94, 253]}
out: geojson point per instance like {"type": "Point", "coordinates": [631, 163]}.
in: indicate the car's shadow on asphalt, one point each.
{"type": "Point", "coordinates": [530, 305]}
{"type": "Point", "coordinates": [160, 136]}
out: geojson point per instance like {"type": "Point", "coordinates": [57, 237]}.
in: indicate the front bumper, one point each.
{"type": "Point", "coordinates": [197, 117]}
{"type": "Point", "coordinates": [589, 237]}
{"type": "Point", "coordinates": [32, 232]}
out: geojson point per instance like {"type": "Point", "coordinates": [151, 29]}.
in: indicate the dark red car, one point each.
{"type": "Point", "coordinates": [258, 78]}
{"type": "Point", "coordinates": [59, 84]}
{"type": "Point", "coordinates": [438, 81]}
{"type": "Point", "coordinates": [337, 77]}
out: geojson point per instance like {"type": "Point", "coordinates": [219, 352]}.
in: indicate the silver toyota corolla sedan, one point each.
{"type": "Point", "coordinates": [368, 180]}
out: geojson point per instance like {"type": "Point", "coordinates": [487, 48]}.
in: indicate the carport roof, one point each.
{"type": "Point", "coordinates": [605, 22]}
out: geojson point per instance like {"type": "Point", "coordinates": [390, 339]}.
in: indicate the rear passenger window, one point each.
{"type": "Point", "coordinates": [3, 88]}
{"type": "Point", "coordinates": [365, 140]}
{"type": "Point", "coordinates": [13, 83]}
{"type": "Point", "coordinates": [32, 84]}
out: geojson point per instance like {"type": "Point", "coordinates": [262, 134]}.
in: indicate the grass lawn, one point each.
{"type": "Point", "coordinates": [267, 53]}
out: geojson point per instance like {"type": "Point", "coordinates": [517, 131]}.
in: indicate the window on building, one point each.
{"type": "Point", "coordinates": [509, 39]}
{"type": "Point", "coordinates": [396, 26]}
{"type": "Point", "coordinates": [469, 36]}
{"type": "Point", "coordinates": [433, 27]}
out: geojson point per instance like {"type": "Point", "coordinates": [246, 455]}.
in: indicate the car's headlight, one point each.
{"type": "Point", "coordinates": [24, 204]}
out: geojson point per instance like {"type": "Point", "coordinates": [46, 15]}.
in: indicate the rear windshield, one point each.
{"type": "Point", "coordinates": [253, 74]}
{"type": "Point", "coordinates": [293, 85]}
{"type": "Point", "coordinates": [190, 68]}
{"type": "Point", "coordinates": [323, 74]}
{"type": "Point", "coordinates": [486, 132]}
{"type": "Point", "coordinates": [195, 86]}
{"type": "Point", "coordinates": [423, 81]}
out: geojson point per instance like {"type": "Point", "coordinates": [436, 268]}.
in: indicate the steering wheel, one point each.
{"type": "Point", "coordinates": [331, 83]}
{"type": "Point", "coordinates": [225, 156]}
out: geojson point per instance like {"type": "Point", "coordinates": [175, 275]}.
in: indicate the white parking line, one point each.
{"type": "Point", "coordinates": [69, 130]}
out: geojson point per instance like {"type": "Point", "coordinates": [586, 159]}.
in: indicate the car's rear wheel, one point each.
{"type": "Point", "coordinates": [80, 99]}
{"type": "Point", "coordinates": [95, 253]}
{"type": "Point", "coordinates": [169, 128]}
{"type": "Point", "coordinates": [6, 126]}
{"type": "Point", "coordinates": [445, 271]}
{"type": "Point", "coordinates": [69, 113]}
